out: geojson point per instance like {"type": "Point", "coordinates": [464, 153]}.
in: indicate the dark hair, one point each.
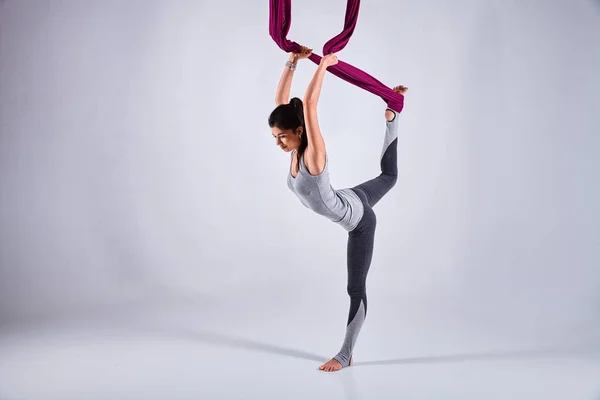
{"type": "Point", "coordinates": [291, 116]}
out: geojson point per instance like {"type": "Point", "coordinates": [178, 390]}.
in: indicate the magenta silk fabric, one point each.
{"type": "Point", "coordinates": [280, 20]}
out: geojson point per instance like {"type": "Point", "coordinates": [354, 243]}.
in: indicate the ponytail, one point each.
{"type": "Point", "coordinates": [298, 107]}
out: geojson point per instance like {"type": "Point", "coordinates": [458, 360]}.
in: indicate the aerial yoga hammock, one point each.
{"type": "Point", "coordinates": [351, 208]}
{"type": "Point", "coordinates": [280, 20]}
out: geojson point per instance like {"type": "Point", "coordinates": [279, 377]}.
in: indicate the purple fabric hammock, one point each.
{"type": "Point", "coordinates": [280, 20]}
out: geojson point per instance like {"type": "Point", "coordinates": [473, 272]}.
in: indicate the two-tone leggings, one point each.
{"type": "Point", "coordinates": [360, 239]}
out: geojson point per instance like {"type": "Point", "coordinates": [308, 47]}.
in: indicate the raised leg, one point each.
{"type": "Point", "coordinates": [377, 187]}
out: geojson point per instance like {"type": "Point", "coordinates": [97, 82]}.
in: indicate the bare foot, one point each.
{"type": "Point", "coordinates": [389, 115]}
{"type": "Point", "coordinates": [400, 89]}
{"type": "Point", "coordinates": [332, 365]}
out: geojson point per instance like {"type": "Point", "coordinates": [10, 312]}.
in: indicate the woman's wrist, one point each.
{"type": "Point", "coordinates": [293, 58]}
{"type": "Point", "coordinates": [321, 68]}
{"type": "Point", "coordinates": [292, 62]}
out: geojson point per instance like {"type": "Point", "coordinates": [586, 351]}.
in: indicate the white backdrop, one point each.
{"type": "Point", "coordinates": [137, 168]}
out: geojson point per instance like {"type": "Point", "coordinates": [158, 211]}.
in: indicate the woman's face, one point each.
{"type": "Point", "coordinates": [287, 139]}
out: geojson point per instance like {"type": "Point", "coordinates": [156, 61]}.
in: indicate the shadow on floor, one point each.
{"type": "Point", "coordinates": [555, 352]}
{"type": "Point", "coordinates": [575, 351]}
{"type": "Point", "coordinates": [247, 344]}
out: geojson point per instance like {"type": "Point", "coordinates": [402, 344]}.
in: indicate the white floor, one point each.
{"type": "Point", "coordinates": [257, 351]}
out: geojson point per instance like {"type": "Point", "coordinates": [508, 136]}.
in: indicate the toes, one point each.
{"type": "Point", "coordinates": [400, 89]}
{"type": "Point", "coordinates": [332, 365]}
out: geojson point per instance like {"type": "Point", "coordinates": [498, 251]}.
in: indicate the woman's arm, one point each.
{"type": "Point", "coordinates": [314, 156]}
{"type": "Point", "coordinates": [283, 89]}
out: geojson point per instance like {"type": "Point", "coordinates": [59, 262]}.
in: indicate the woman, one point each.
{"type": "Point", "coordinates": [295, 127]}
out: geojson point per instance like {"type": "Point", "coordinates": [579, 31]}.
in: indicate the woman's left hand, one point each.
{"type": "Point", "coordinates": [329, 60]}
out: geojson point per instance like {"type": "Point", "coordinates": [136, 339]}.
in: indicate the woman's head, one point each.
{"type": "Point", "coordinates": [288, 128]}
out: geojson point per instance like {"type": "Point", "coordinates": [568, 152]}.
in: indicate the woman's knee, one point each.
{"type": "Point", "coordinates": [392, 179]}
{"type": "Point", "coordinates": [356, 289]}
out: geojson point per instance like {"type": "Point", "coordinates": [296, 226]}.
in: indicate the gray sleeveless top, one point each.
{"type": "Point", "coordinates": [315, 192]}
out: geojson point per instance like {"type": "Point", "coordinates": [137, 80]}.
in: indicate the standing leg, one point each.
{"type": "Point", "coordinates": [360, 252]}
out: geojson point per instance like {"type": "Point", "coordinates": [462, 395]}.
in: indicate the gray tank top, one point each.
{"type": "Point", "coordinates": [341, 206]}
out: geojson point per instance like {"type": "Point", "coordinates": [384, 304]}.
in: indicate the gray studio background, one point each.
{"type": "Point", "coordinates": [137, 169]}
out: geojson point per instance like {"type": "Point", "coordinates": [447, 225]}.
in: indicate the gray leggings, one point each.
{"type": "Point", "coordinates": [361, 238]}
